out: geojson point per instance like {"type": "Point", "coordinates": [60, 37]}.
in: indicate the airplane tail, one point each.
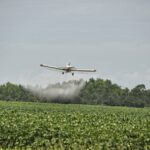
{"type": "Point", "coordinates": [68, 64]}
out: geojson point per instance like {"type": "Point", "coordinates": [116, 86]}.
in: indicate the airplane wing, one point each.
{"type": "Point", "coordinates": [84, 70]}
{"type": "Point", "coordinates": [51, 67]}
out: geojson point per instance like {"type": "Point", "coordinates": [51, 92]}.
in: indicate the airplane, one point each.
{"type": "Point", "coordinates": [68, 68]}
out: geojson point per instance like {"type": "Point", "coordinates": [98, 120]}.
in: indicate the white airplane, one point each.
{"type": "Point", "coordinates": [68, 68]}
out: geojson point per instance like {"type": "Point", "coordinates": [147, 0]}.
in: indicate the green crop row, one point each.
{"type": "Point", "coordinates": [60, 126]}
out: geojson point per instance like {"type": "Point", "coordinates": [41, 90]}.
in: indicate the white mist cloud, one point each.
{"type": "Point", "coordinates": [65, 90]}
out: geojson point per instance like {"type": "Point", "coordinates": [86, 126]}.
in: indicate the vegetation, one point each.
{"type": "Point", "coordinates": [105, 92]}
{"type": "Point", "coordinates": [26, 125]}
{"type": "Point", "coordinates": [12, 92]}
{"type": "Point", "coordinates": [97, 91]}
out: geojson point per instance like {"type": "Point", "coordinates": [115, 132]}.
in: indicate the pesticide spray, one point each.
{"type": "Point", "coordinates": [62, 91]}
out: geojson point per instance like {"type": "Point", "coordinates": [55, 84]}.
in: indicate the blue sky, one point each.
{"type": "Point", "coordinates": [111, 36]}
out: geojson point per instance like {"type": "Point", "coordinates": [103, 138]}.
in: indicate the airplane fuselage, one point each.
{"type": "Point", "coordinates": [68, 69]}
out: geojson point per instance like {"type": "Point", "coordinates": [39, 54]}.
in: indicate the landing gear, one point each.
{"type": "Point", "coordinates": [72, 74]}
{"type": "Point", "coordinates": [63, 73]}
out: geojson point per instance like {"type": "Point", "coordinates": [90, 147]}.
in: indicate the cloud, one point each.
{"type": "Point", "coordinates": [66, 90]}
{"type": "Point", "coordinates": [139, 77]}
{"type": "Point", "coordinates": [131, 79]}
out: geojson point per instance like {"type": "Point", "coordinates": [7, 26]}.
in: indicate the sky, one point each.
{"type": "Point", "coordinates": [112, 37]}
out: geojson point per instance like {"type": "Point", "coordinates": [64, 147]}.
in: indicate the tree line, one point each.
{"type": "Point", "coordinates": [101, 91]}
{"type": "Point", "coordinates": [94, 91]}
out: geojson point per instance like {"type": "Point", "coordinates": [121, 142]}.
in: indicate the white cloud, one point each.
{"type": "Point", "coordinates": [132, 79]}
{"type": "Point", "coordinates": [112, 36]}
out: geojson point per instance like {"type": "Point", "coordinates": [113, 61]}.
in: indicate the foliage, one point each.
{"type": "Point", "coordinates": [105, 92]}
{"type": "Point", "coordinates": [95, 91]}
{"type": "Point", "coordinates": [60, 126]}
{"type": "Point", "coordinates": [12, 92]}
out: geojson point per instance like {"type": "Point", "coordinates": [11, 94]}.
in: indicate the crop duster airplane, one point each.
{"type": "Point", "coordinates": [68, 68]}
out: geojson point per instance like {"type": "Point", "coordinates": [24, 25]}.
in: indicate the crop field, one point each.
{"type": "Point", "coordinates": [73, 127]}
